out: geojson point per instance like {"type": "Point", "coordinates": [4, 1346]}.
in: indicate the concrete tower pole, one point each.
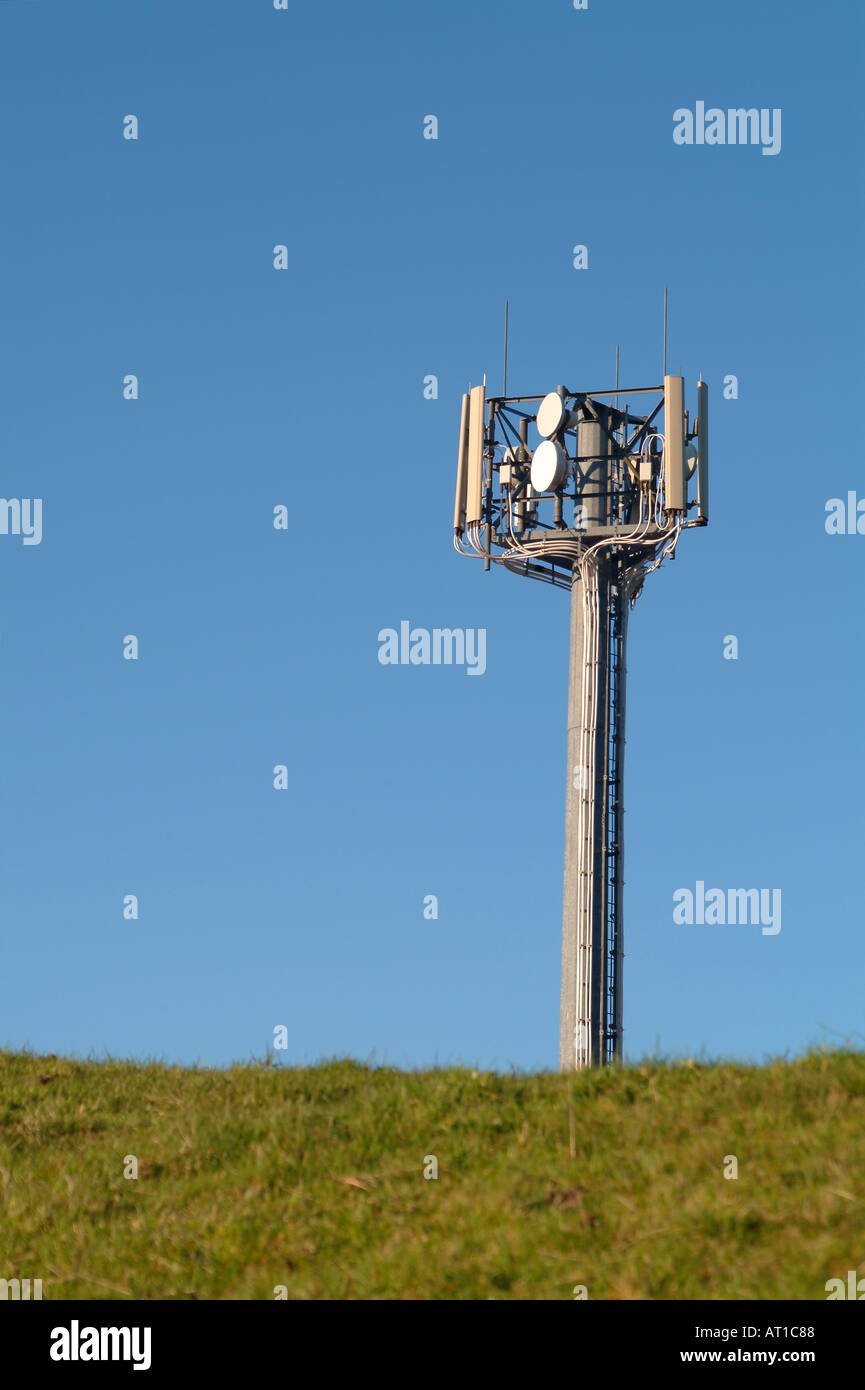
{"type": "Point", "coordinates": [620, 666]}
{"type": "Point", "coordinates": [591, 1001]}
{"type": "Point", "coordinates": [574, 862]}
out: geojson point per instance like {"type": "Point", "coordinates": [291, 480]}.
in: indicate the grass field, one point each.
{"type": "Point", "coordinates": [312, 1179]}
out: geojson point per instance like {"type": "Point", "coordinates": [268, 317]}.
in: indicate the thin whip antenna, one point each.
{"type": "Point", "coordinates": [621, 431]}
{"type": "Point", "coordinates": [505, 374]}
{"type": "Point", "coordinates": [665, 330]}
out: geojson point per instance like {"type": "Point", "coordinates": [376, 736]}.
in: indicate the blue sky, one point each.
{"type": "Point", "coordinates": [304, 387]}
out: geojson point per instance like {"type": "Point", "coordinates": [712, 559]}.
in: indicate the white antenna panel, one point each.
{"type": "Point", "coordinates": [475, 460]}
{"type": "Point", "coordinates": [674, 443]}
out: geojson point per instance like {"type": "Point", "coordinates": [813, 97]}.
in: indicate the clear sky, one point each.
{"type": "Point", "coordinates": [304, 387]}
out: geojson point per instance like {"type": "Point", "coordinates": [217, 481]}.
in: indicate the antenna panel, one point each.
{"type": "Point", "coordinates": [475, 460]}
{"type": "Point", "coordinates": [702, 451]}
{"type": "Point", "coordinates": [675, 486]}
{"type": "Point", "coordinates": [462, 459]}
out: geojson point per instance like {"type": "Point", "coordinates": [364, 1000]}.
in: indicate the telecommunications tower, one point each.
{"type": "Point", "coordinates": [593, 505]}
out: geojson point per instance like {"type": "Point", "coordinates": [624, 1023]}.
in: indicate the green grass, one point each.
{"type": "Point", "coordinates": [312, 1178]}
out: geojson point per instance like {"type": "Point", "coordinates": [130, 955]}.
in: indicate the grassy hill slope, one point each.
{"type": "Point", "coordinates": [313, 1179]}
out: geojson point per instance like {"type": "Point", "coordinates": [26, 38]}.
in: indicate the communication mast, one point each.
{"type": "Point", "coordinates": [594, 504]}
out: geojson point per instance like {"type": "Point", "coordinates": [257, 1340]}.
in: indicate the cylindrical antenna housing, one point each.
{"type": "Point", "coordinates": [592, 471]}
